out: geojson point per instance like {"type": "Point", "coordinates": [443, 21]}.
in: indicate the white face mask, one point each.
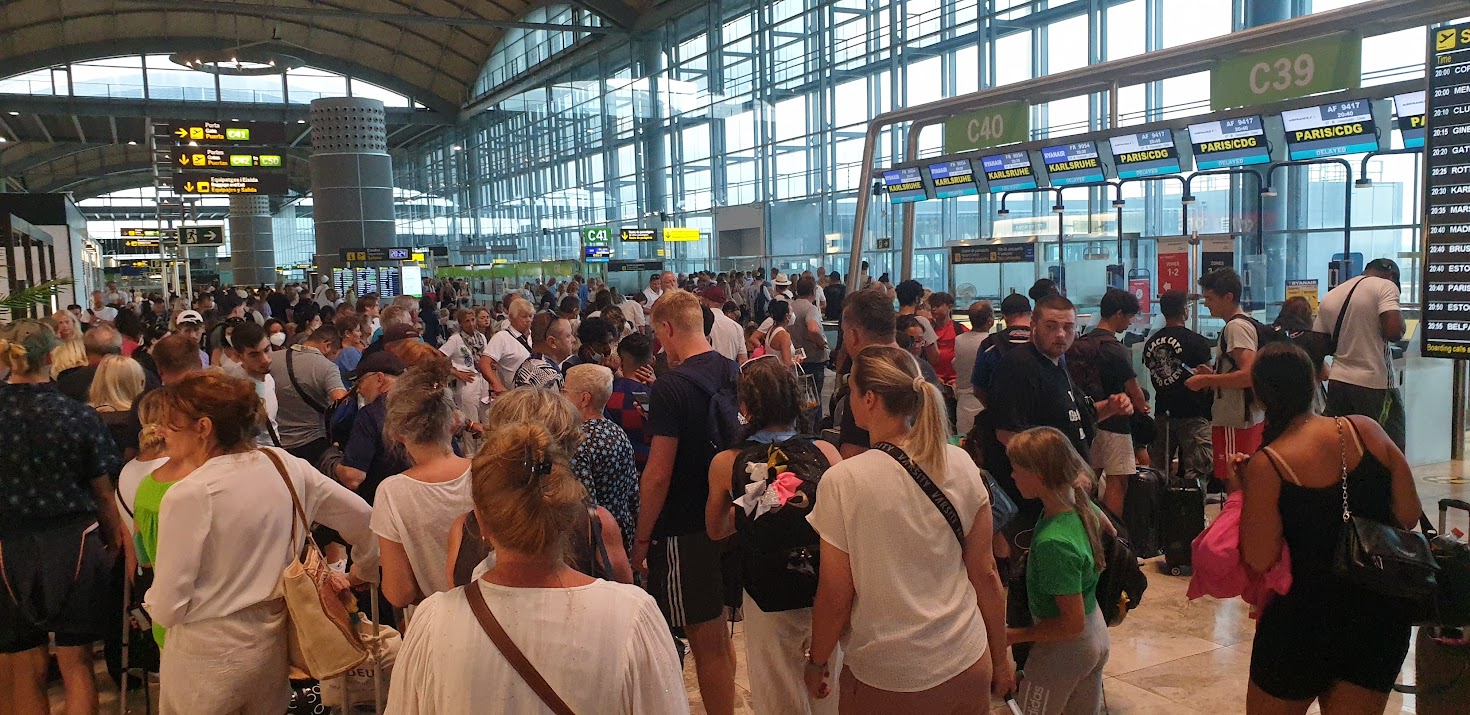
{"type": "Point", "coordinates": [278, 339]}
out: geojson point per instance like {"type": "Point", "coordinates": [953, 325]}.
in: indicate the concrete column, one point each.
{"type": "Point", "coordinates": [252, 241]}
{"type": "Point", "coordinates": [351, 178]}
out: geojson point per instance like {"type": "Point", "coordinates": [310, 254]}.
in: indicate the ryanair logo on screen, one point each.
{"type": "Point", "coordinates": [1333, 132]}
{"type": "Point", "coordinates": [1074, 165]}
{"type": "Point", "coordinates": [1014, 173]}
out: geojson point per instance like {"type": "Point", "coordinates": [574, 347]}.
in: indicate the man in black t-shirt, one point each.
{"type": "Point", "coordinates": [868, 319]}
{"type": "Point", "coordinates": [1031, 388]}
{"type": "Point", "coordinates": [1171, 354]}
{"type": "Point", "coordinates": [682, 565]}
{"type": "Point", "coordinates": [1102, 367]}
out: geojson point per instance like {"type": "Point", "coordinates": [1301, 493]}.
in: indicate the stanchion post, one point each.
{"type": "Point", "coordinates": [1457, 410]}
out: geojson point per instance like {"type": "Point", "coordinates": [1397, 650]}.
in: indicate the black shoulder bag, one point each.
{"type": "Point", "coordinates": [931, 490]}
{"type": "Point", "coordinates": [296, 384]}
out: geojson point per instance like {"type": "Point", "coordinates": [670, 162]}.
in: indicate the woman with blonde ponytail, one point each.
{"type": "Point", "coordinates": [1065, 669]}
{"type": "Point", "coordinates": [906, 526]}
{"type": "Point", "coordinates": [601, 646]}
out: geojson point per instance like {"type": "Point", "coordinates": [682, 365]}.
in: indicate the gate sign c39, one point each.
{"type": "Point", "coordinates": [1296, 70]}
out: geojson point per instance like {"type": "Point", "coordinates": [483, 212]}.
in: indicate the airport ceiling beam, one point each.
{"type": "Point", "coordinates": [617, 12]}
{"type": "Point", "coordinates": [321, 14]}
{"type": "Point", "coordinates": [46, 105]}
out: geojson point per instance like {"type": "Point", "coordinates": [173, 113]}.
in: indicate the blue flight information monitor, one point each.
{"type": "Point", "coordinates": [1240, 141]}
{"type": "Point", "coordinates": [904, 185]}
{"type": "Point", "coordinates": [1145, 154]}
{"type": "Point", "coordinates": [953, 178]}
{"type": "Point", "coordinates": [1072, 164]}
{"type": "Point", "coordinates": [1410, 108]}
{"type": "Point", "coordinates": [1011, 171]}
{"type": "Point", "coordinates": [1330, 130]}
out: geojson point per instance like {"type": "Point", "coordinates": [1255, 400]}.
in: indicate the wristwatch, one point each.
{"type": "Point", "coordinates": [811, 665]}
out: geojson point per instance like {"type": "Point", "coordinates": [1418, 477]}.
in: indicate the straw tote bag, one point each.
{"type": "Point", "coordinates": [322, 641]}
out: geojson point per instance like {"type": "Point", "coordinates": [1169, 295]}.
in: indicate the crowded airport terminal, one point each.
{"type": "Point", "coordinates": [718, 357]}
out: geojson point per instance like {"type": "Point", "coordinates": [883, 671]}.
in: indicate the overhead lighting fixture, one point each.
{"type": "Point", "coordinates": [252, 60]}
{"type": "Point", "coordinates": [1119, 203]}
{"type": "Point", "coordinates": [1363, 183]}
{"type": "Point", "coordinates": [3, 140]}
{"type": "Point", "coordinates": [15, 114]}
{"type": "Point", "coordinates": [132, 143]}
{"type": "Point", "coordinates": [1003, 212]}
{"type": "Point", "coordinates": [456, 147]}
{"type": "Point", "coordinates": [1268, 192]}
{"type": "Point", "coordinates": [1059, 209]}
{"type": "Point", "coordinates": [1186, 199]}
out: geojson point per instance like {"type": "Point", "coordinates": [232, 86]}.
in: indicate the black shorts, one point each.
{"type": "Point", "coordinates": [689, 578]}
{"type": "Point", "coordinates": [1314, 637]}
{"type": "Point", "coordinates": [55, 581]}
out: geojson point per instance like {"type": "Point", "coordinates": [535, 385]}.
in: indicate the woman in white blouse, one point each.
{"type": "Point", "coordinates": [224, 536]}
{"type": "Point", "coordinates": [919, 610]}
{"type": "Point", "coordinates": [602, 647]}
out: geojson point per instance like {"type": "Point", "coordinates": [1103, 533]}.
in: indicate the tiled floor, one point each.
{"type": "Point", "coordinates": [1173, 656]}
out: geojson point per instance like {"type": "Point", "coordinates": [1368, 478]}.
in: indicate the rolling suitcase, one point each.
{"type": "Point", "coordinates": [1442, 654]}
{"type": "Point", "coordinates": [1182, 519]}
{"type": "Point", "coordinates": [1142, 508]}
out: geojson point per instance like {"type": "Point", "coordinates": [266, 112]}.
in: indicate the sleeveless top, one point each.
{"type": "Point", "coordinates": [1311, 517]}
{"type": "Point", "coordinates": [585, 549]}
{"type": "Point", "coordinates": [146, 506]}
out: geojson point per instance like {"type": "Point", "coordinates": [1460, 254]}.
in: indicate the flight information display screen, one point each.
{"type": "Point", "coordinates": [953, 178]}
{"type": "Point", "coordinates": [1240, 141]}
{"type": "Point", "coordinates": [905, 185]}
{"type": "Point", "coordinates": [1145, 154]}
{"type": "Point", "coordinates": [1011, 171]}
{"type": "Point", "coordinates": [1072, 164]}
{"type": "Point", "coordinates": [1410, 108]}
{"type": "Point", "coordinates": [1330, 130]}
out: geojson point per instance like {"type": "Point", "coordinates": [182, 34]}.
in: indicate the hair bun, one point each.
{"type": "Point", "coordinates": [920, 383]}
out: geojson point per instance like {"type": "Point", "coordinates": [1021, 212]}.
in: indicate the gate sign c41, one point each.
{"type": "Point", "coordinates": [596, 235]}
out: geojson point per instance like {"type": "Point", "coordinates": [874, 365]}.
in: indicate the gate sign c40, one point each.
{"type": "Point", "coordinates": [596, 235]}
{"type": "Point", "coordinates": [1299, 69]}
{"type": "Point", "coordinates": [1006, 123]}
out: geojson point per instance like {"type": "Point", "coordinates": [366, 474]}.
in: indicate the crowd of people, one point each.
{"type": "Point", "coordinates": [607, 482]}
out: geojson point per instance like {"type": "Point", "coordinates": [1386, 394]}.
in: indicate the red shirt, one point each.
{"type": "Point", "coordinates": [945, 368]}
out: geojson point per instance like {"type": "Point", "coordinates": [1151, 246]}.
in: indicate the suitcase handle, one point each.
{"type": "Point", "coordinates": [1450, 503]}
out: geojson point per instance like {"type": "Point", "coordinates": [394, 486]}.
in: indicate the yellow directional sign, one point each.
{"type": "Point", "coordinates": [236, 133]}
{"type": "Point", "coordinates": [221, 159]}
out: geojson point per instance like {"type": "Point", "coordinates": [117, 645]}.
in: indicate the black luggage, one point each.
{"type": "Point", "coordinates": [1182, 519]}
{"type": "Point", "coordinates": [1142, 507]}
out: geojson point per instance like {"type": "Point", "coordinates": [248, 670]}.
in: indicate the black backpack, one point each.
{"type": "Point", "coordinates": [1083, 359]}
{"type": "Point", "coordinates": [779, 549]}
{"type": "Point", "coordinates": [1265, 335]}
{"type": "Point", "coordinates": [762, 301]}
{"type": "Point", "coordinates": [1121, 584]}
{"type": "Point", "coordinates": [723, 415]}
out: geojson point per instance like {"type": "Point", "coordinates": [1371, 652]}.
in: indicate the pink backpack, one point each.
{"type": "Point", "coordinates": [1219, 570]}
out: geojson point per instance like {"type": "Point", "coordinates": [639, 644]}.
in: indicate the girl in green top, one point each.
{"type": "Point", "coordinates": [147, 499]}
{"type": "Point", "coordinates": [1065, 669]}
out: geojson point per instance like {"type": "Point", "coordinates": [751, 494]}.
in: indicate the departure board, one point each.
{"type": "Point", "coordinates": [1445, 283]}
{"type": "Point", "coordinates": [905, 185]}
{"type": "Point", "coordinates": [953, 178]}
{"type": "Point", "coordinates": [1330, 130]}
{"type": "Point", "coordinates": [1145, 154]}
{"type": "Point", "coordinates": [1073, 164]}
{"type": "Point", "coordinates": [1011, 171]}
{"type": "Point", "coordinates": [1410, 110]}
{"type": "Point", "coordinates": [1240, 141]}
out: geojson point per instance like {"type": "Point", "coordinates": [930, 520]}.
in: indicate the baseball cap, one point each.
{"type": "Point", "coordinates": [1015, 304]}
{"type": "Point", "coordinates": [380, 361]}
{"type": "Point", "coordinates": [188, 316]}
{"type": "Point", "coordinates": [716, 294]}
{"type": "Point", "coordinates": [1386, 265]}
{"type": "Point", "coordinates": [401, 331]}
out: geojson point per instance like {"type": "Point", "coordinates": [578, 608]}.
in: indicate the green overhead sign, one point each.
{"type": "Point", "coordinates": [598, 235]}
{"type": "Point", "coordinates": [1326, 64]}
{"type": "Point", "coordinates": [1006, 123]}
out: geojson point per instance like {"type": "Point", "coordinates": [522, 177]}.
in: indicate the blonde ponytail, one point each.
{"type": "Point", "coordinates": [895, 376]}
{"type": "Point", "coordinates": [1047, 452]}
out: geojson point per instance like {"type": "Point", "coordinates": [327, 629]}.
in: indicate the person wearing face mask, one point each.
{"type": "Point", "coordinates": [250, 355]}
{"type": "Point", "coordinates": [275, 332]}
{"type": "Point", "coordinates": [598, 341]}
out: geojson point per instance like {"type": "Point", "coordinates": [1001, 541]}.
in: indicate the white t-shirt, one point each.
{"type": "Point", "coordinates": [265, 390]}
{"type": "Point", "coordinates": [652, 295]}
{"type": "Point", "coordinates": [105, 314]}
{"type": "Point", "coordinates": [1362, 354]}
{"type": "Point", "coordinates": [1230, 408]}
{"type": "Point", "coordinates": [915, 621]}
{"type": "Point", "coordinates": [634, 313]}
{"type": "Point", "coordinates": [507, 352]}
{"type": "Point", "coordinates": [419, 515]}
{"type": "Point", "coordinates": [966, 348]}
{"type": "Point", "coordinates": [604, 648]}
{"type": "Point", "coordinates": [128, 479]}
{"type": "Point", "coordinates": [726, 337]}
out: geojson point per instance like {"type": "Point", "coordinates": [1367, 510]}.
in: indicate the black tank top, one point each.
{"type": "Point", "coordinates": [1311, 517]}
